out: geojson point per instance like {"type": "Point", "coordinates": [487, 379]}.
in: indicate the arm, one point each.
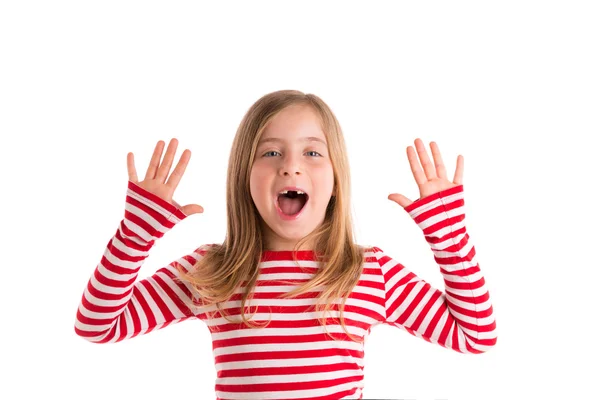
{"type": "Point", "coordinates": [114, 306]}
{"type": "Point", "coordinates": [462, 317]}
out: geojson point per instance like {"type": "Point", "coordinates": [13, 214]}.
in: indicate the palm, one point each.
{"type": "Point", "coordinates": [156, 181]}
{"type": "Point", "coordinates": [430, 178]}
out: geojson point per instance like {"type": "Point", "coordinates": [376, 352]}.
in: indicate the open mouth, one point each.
{"type": "Point", "coordinates": [291, 203]}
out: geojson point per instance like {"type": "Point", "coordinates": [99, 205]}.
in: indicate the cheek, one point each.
{"type": "Point", "coordinates": [253, 182]}
{"type": "Point", "coordinates": [258, 181]}
{"type": "Point", "coordinates": [325, 175]}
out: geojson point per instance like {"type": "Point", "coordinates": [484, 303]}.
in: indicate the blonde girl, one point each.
{"type": "Point", "coordinates": [289, 298]}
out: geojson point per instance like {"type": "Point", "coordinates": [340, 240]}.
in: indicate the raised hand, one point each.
{"type": "Point", "coordinates": [156, 181]}
{"type": "Point", "coordinates": [431, 178]}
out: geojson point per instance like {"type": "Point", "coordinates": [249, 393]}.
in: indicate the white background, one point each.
{"type": "Point", "coordinates": [512, 86]}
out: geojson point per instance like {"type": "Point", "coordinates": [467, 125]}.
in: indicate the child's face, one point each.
{"type": "Point", "coordinates": [291, 161]}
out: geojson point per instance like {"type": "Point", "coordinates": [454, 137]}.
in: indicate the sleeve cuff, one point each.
{"type": "Point", "coordinates": [449, 201]}
{"type": "Point", "coordinates": [169, 211]}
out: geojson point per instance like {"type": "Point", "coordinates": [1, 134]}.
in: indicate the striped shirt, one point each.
{"type": "Point", "coordinates": [292, 357]}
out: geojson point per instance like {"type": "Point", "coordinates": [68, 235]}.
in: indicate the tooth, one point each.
{"type": "Point", "coordinates": [286, 191]}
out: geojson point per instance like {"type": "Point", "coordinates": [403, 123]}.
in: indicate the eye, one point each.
{"type": "Point", "coordinates": [273, 151]}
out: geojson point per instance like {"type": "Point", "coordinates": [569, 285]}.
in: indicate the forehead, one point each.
{"type": "Point", "coordinates": [294, 123]}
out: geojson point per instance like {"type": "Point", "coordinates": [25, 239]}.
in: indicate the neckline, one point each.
{"type": "Point", "coordinates": [280, 255]}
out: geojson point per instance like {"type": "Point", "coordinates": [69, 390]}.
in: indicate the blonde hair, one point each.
{"type": "Point", "coordinates": [224, 267]}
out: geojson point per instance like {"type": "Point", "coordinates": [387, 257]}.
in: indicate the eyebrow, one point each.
{"type": "Point", "coordinates": [304, 139]}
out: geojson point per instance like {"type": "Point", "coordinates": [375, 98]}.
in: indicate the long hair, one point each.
{"type": "Point", "coordinates": [224, 267]}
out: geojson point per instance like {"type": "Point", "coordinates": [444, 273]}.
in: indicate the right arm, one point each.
{"type": "Point", "coordinates": [114, 306]}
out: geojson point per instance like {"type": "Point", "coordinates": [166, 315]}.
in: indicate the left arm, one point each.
{"type": "Point", "coordinates": [460, 318]}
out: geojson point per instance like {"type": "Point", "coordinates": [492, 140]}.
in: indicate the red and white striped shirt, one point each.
{"type": "Point", "coordinates": [293, 357]}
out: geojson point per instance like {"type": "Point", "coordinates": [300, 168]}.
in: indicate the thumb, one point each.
{"type": "Point", "coordinates": [189, 209]}
{"type": "Point", "coordinates": [192, 209]}
{"type": "Point", "coordinates": [400, 199]}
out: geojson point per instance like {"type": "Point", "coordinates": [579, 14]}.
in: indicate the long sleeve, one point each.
{"type": "Point", "coordinates": [462, 317]}
{"type": "Point", "coordinates": [114, 305]}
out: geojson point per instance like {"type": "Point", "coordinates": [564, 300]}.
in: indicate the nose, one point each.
{"type": "Point", "coordinates": [290, 165]}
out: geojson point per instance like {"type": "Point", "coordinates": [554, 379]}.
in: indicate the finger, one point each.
{"type": "Point", "coordinates": [131, 168]}
{"type": "Point", "coordinates": [400, 199]}
{"type": "Point", "coordinates": [460, 166]}
{"type": "Point", "coordinates": [155, 160]}
{"type": "Point", "coordinates": [425, 162]}
{"type": "Point", "coordinates": [179, 169]}
{"type": "Point", "coordinates": [437, 160]}
{"type": "Point", "coordinates": [165, 166]}
{"type": "Point", "coordinates": [417, 172]}
{"type": "Point", "coordinates": [192, 209]}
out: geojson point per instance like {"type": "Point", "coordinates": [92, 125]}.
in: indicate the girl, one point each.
{"type": "Point", "coordinates": [289, 298]}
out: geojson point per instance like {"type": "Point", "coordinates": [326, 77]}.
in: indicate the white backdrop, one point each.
{"type": "Point", "coordinates": [512, 86]}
